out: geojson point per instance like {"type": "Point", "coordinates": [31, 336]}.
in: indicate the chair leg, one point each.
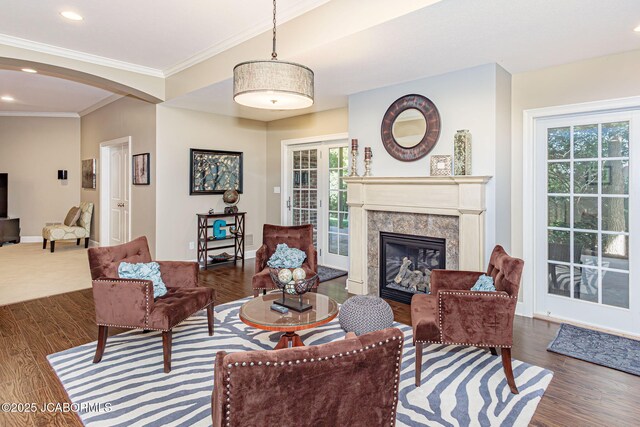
{"type": "Point", "coordinates": [86, 242]}
{"type": "Point", "coordinates": [493, 351]}
{"type": "Point", "coordinates": [77, 242]}
{"type": "Point", "coordinates": [210, 318]}
{"type": "Point", "coordinates": [418, 367]}
{"type": "Point", "coordinates": [102, 342]}
{"type": "Point", "coordinates": [508, 371]}
{"type": "Point", "coordinates": [166, 350]}
{"type": "Point", "coordinates": [44, 243]}
{"type": "Point", "coordinates": [53, 246]}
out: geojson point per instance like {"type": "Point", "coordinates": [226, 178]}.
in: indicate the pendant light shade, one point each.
{"type": "Point", "coordinates": [273, 84]}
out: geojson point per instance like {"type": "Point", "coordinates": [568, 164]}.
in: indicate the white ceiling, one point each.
{"type": "Point", "coordinates": [158, 34]}
{"type": "Point", "coordinates": [38, 93]}
{"type": "Point", "coordinates": [520, 35]}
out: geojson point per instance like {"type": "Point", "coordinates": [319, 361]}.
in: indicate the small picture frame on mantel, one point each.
{"type": "Point", "coordinates": [441, 165]}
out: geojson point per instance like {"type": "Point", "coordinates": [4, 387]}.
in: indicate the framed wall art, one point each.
{"type": "Point", "coordinates": [141, 169]}
{"type": "Point", "coordinates": [214, 171]}
{"type": "Point", "coordinates": [89, 173]}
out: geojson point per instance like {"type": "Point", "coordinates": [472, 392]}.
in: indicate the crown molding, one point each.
{"type": "Point", "coordinates": [78, 56]}
{"type": "Point", "coordinates": [256, 30]}
{"type": "Point", "coordinates": [39, 114]}
{"type": "Point", "coordinates": [106, 101]}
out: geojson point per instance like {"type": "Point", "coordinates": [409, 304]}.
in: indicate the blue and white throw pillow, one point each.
{"type": "Point", "coordinates": [484, 284]}
{"type": "Point", "coordinates": [144, 271]}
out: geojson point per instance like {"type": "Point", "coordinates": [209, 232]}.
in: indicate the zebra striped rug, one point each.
{"type": "Point", "coordinates": [460, 386]}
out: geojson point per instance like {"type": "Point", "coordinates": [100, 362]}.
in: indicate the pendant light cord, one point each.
{"type": "Point", "coordinates": [274, 55]}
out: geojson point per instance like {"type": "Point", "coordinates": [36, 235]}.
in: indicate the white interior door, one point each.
{"type": "Point", "coordinates": [118, 194]}
{"type": "Point", "coordinates": [316, 194]}
{"type": "Point", "coordinates": [587, 199]}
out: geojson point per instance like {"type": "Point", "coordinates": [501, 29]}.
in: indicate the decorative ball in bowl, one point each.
{"type": "Point", "coordinates": [292, 281]}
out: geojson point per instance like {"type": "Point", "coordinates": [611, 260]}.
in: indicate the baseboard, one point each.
{"type": "Point", "coordinates": [93, 243]}
{"type": "Point", "coordinates": [250, 254]}
{"type": "Point", "coordinates": [30, 239]}
{"type": "Point", "coordinates": [553, 319]}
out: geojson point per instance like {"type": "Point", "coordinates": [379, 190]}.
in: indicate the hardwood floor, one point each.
{"type": "Point", "coordinates": [580, 394]}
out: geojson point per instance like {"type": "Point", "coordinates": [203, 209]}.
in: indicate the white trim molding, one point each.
{"type": "Point", "coordinates": [526, 307]}
{"type": "Point", "coordinates": [39, 114]}
{"type": "Point", "coordinates": [105, 101]}
{"type": "Point", "coordinates": [78, 56]}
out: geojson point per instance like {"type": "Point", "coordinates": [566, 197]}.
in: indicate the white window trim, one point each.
{"type": "Point", "coordinates": [529, 176]}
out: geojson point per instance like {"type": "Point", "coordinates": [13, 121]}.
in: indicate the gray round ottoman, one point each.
{"type": "Point", "coordinates": [365, 313]}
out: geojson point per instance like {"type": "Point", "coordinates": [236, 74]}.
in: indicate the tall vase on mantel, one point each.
{"type": "Point", "coordinates": [462, 153]}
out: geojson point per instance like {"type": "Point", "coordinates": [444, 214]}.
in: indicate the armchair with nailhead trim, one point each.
{"type": "Point", "coordinates": [454, 315]}
{"type": "Point", "coordinates": [129, 303]}
{"type": "Point", "coordinates": [347, 382]}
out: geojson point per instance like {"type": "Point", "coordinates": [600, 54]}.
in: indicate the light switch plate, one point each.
{"type": "Point", "coordinates": [276, 190]}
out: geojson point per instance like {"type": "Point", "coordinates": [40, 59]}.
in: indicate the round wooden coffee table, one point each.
{"type": "Point", "coordinates": [258, 313]}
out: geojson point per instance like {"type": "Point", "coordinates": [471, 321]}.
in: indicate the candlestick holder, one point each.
{"type": "Point", "coordinates": [354, 163]}
{"type": "Point", "coordinates": [367, 167]}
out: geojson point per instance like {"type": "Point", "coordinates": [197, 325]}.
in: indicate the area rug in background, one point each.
{"type": "Point", "coordinates": [460, 385]}
{"type": "Point", "coordinates": [597, 347]}
{"type": "Point", "coordinates": [328, 273]}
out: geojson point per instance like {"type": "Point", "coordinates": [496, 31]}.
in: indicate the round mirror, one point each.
{"type": "Point", "coordinates": [409, 128]}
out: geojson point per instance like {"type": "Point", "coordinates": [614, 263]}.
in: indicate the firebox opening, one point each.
{"type": "Point", "coordinates": [406, 262]}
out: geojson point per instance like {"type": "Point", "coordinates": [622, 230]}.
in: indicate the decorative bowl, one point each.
{"type": "Point", "coordinates": [292, 287]}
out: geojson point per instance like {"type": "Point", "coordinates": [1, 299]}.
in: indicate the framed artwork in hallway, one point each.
{"type": "Point", "coordinates": [141, 169]}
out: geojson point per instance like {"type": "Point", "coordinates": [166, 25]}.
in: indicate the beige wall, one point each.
{"type": "Point", "coordinates": [125, 117]}
{"type": "Point", "coordinates": [32, 149]}
{"type": "Point", "coordinates": [178, 131]}
{"type": "Point", "coordinates": [607, 77]}
{"type": "Point", "coordinates": [308, 125]}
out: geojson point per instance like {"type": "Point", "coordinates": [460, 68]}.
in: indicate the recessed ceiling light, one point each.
{"type": "Point", "coordinates": [29, 70]}
{"type": "Point", "coordinates": [7, 98]}
{"type": "Point", "coordinates": [71, 15]}
{"type": "Point", "coordinates": [637, 29]}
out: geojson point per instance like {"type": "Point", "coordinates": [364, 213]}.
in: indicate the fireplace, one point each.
{"type": "Point", "coordinates": [406, 262]}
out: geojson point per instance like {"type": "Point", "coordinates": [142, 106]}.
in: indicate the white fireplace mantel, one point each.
{"type": "Point", "coordinates": [461, 196]}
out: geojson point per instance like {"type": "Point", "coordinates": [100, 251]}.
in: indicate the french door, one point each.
{"type": "Point", "coordinates": [316, 194]}
{"type": "Point", "coordinates": [588, 209]}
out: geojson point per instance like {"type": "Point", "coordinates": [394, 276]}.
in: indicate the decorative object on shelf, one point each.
{"type": "Point", "coordinates": [215, 171]}
{"type": "Point", "coordinates": [89, 173]}
{"type": "Point", "coordinates": [232, 229]}
{"type": "Point", "coordinates": [293, 286]}
{"type": "Point", "coordinates": [362, 314]}
{"type": "Point", "coordinates": [354, 158]}
{"type": "Point", "coordinates": [410, 128]}
{"type": "Point", "coordinates": [286, 257]}
{"type": "Point", "coordinates": [212, 211]}
{"type": "Point", "coordinates": [62, 174]}
{"type": "Point", "coordinates": [218, 231]}
{"type": "Point", "coordinates": [221, 257]}
{"type": "Point", "coordinates": [367, 161]}
{"type": "Point", "coordinates": [462, 153]}
{"type": "Point", "coordinates": [141, 169]}
{"type": "Point", "coordinates": [273, 84]}
{"type": "Point", "coordinates": [231, 199]}
{"type": "Point", "coordinates": [441, 165]}
{"type": "Point", "coordinates": [207, 243]}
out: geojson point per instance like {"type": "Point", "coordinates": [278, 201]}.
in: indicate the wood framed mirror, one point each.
{"type": "Point", "coordinates": [410, 128]}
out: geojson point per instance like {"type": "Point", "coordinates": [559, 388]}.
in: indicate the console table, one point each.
{"type": "Point", "coordinates": [9, 230]}
{"type": "Point", "coordinates": [207, 243]}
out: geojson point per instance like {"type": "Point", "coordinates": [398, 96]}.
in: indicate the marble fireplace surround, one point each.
{"type": "Point", "coordinates": [436, 205]}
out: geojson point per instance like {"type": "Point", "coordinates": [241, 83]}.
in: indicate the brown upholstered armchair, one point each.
{"type": "Point", "coordinates": [453, 314]}
{"type": "Point", "coordinates": [129, 303]}
{"type": "Point", "coordinates": [342, 383]}
{"type": "Point", "coordinates": [297, 236]}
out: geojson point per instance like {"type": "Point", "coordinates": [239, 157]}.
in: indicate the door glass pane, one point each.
{"type": "Point", "coordinates": [588, 213]}
{"type": "Point", "coordinates": [615, 139]}
{"type": "Point", "coordinates": [558, 212]}
{"type": "Point", "coordinates": [304, 201]}
{"type": "Point", "coordinates": [559, 143]}
{"type": "Point", "coordinates": [585, 142]}
{"type": "Point", "coordinates": [615, 214]}
{"type": "Point", "coordinates": [333, 243]}
{"type": "Point", "coordinates": [615, 177]}
{"type": "Point", "coordinates": [559, 178]}
{"type": "Point", "coordinates": [338, 209]}
{"type": "Point", "coordinates": [344, 245]}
